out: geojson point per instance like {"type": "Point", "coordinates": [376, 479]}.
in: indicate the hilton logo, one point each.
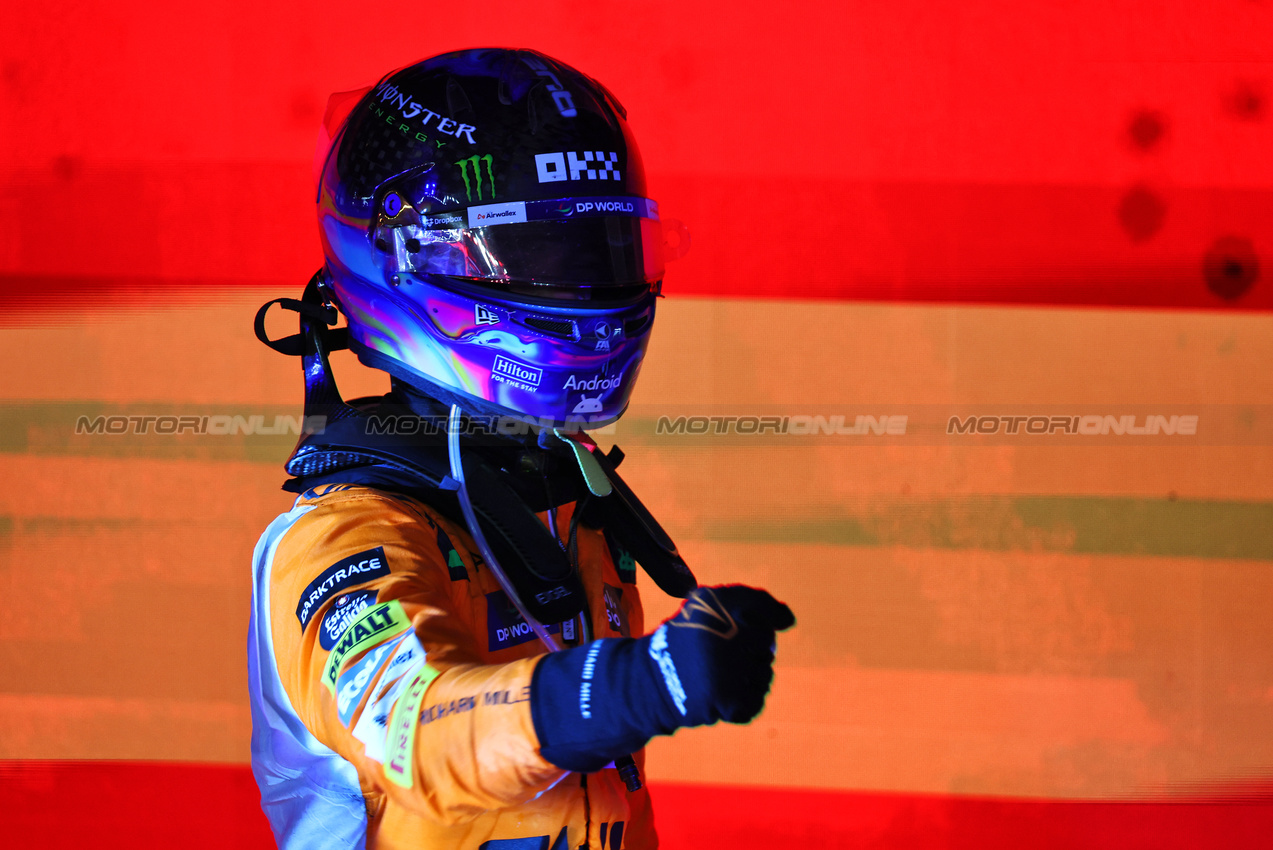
{"type": "Point", "coordinates": [517, 372]}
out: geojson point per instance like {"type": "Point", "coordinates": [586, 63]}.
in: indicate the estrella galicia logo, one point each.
{"type": "Point", "coordinates": [345, 609]}
{"type": "Point", "coordinates": [355, 569]}
{"type": "Point", "coordinates": [504, 624]}
{"type": "Point", "coordinates": [476, 162]}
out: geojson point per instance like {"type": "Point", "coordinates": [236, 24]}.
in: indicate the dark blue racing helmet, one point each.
{"type": "Point", "coordinates": [489, 237]}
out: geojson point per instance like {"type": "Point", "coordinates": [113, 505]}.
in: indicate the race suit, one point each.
{"type": "Point", "coordinates": [390, 686]}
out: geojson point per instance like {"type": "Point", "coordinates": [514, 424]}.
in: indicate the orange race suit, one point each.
{"type": "Point", "coordinates": [390, 684]}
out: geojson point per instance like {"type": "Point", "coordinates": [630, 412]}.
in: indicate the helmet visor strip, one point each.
{"type": "Point", "coordinates": [541, 247]}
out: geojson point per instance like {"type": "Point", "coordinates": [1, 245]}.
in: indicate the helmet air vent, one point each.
{"type": "Point", "coordinates": [556, 327]}
{"type": "Point", "coordinates": [457, 101]}
{"type": "Point", "coordinates": [632, 327]}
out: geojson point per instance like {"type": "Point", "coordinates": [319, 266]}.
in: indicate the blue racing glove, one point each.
{"type": "Point", "coordinates": [712, 661]}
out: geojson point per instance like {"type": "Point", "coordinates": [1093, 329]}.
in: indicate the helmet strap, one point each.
{"type": "Point", "coordinates": [312, 344]}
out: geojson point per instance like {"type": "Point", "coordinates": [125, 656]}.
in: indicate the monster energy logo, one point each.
{"type": "Point", "coordinates": [476, 162]}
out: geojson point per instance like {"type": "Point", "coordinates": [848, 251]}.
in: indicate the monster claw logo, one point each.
{"type": "Point", "coordinates": [476, 163]}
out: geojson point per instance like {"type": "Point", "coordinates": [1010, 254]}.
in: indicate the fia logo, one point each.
{"type": "Point", "coordinates": [602, 332]}
{"type": "Point", "coordinates": [484, 315]}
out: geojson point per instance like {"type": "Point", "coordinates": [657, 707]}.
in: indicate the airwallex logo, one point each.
{"type": "Point", "coordinates": [488, 214]}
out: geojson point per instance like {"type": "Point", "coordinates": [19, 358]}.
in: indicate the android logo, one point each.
{"type": "Point", "coordinates": [588, 405]}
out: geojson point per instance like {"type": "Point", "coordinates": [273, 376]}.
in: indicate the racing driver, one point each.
{"type": "Point", "coordinates": [446, 647]}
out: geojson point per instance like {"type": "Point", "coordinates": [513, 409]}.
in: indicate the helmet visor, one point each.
{"type": "Point", "coordinates": [569, 247]}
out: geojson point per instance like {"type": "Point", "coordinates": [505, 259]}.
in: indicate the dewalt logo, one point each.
{"type": "Point", "coordinates": [474, 164]}
{"type": "Point", "coordinates": [374, 626]}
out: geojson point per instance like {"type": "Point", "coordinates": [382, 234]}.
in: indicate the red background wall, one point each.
{"type": "Point", "coordinates": [1062, 152]}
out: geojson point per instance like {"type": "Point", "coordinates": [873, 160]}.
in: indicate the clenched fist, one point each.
{"type": "Point", "coordinates": [712, 661]}
{"type": "Point", "coordinates": [716, 655]}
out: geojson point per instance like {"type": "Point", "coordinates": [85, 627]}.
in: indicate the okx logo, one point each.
{"type": "Point", "coordinates": [572, 165]}
{"type": "Point", "coordinates": [474, 163]}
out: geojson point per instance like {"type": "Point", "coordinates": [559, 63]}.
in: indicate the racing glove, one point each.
{"type": "Point", "coordinates": [712, 661]}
